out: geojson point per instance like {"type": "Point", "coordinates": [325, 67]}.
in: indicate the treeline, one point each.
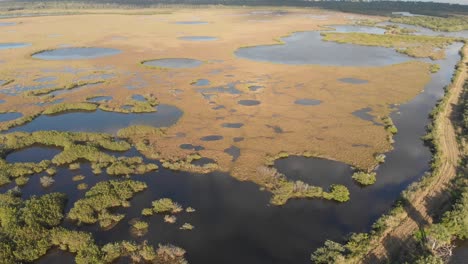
{"type": "Point", "coordinates": [374, 8]}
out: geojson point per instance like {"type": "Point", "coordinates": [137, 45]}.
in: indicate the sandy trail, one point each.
{"type": "Point", "coordinates": [433, 198]}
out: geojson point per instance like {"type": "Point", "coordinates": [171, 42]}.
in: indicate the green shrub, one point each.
{"type": "Point", "coordinates": [101, 197]}
{"type": "Point", "coordinates": [166, 205]}
{"type": "Point", "coordinates": [364, 178]}
{"type": "Point", "coordinates": [63, 107]}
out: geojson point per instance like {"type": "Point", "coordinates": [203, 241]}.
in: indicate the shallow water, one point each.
{"type": "Point", "coordinates": [75, 53]}
{"type": "Point", "coordinates": [307, 101]}
{"type": "Point", "coordinates": [353, 80]}
{"type": "Point", "coordinates": [9, 116]}
{"type": "Point", "coordinates": [460, 253]}
{"type": "Point", "coordinates": [5, 24]}
{"type": "Point", "coordinates": [201, 82]}
{"type": "Point", "coordinates": [309, 48]}
{"type": "Point", "coordinates": [102, 121]}
{"type": "Point", "coordinates": [4, 46]}
{"type": "Point", "coordinates": [175, 63]}
{"type": "Point", "coordinates": [198, 38]}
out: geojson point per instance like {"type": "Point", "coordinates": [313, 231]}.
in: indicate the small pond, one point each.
{"type": "Point", "coordinates": [102, 121]}
{"type": "Point", "coordinates": [175, 63]}
{"type": "Point", "coordinates": [307, 101]}
{"type": "Point", "coordinates": [4, 46]}
{"type": "Point", "coordinates": [75, 53]}
{"type": "Point", "coordinates": [353, 80]}
{"type": "Point", "coordinates": [248, 102]}
{"type": "Point", "coordinates": [9, 116]}
{"type": "Point", "coordinates": [198, 38]}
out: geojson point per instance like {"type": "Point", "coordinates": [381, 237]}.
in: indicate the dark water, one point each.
{"type": "Point", "coordinates": [75, 53]}
{"type": "Point", "coordinates": [9, 116]}
{"type": "Point", "coordinates": [306, 101]}
{"type": "Point", "coordinates": [4, 46]}
{"type": "Point", "coordinates": [33, 154]}
{"type": "Point", "coordinates": [175, 63]}
{"type": "Point", "coordinates": [211, 138]}
{"type": "Point", "coordinates": [234, 152]}
{"type": "Point", "coordinates": [198, 38]}
{"type": "Point", "coordinates": [233, 125]}
{"type": "Point", "coordinates": [191, 147]}
{"type": "Point", "coordinates": [102, 121]}
{"type": "Point", "coordinates": [460, 253]}
{"type": "Point", "coordinates": [364, 115]}
{"type": "Point", "coordinates": [248, 102]}
{"type": "Point", "coordinates": [234, 222]}
{"type": "Point", "coordinates": [308, 48]}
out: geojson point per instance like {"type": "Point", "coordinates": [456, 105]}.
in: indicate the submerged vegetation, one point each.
{"type": "Point", "coordinates": [411, 45]}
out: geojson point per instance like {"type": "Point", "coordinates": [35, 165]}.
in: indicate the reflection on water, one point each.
{"type": "Point", "coordinates": [102, 121]}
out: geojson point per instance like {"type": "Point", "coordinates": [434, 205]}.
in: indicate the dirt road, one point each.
{"type": "Point", "coordinates": [434, 197]}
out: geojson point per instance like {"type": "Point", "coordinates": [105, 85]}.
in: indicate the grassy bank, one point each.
{"type": "Point", "coordinates": [452, 23]}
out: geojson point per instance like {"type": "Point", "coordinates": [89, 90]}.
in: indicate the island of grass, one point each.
{"type": "Point", "coordinates": [451, 23]}
{"type": "Point", "coordinates": [414, 46]}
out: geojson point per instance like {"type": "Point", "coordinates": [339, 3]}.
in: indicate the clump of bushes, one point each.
{"type": "Point", "coordinates": [365, 178]}
{"type": "Point", "coordinates": [132, 165]}
{"type": "Point", "coordinates": [166, 205]}
{"type": "Point", "coordinates": [10, 171]}
{"type": "Point", "coordinates": [187, 226]}
{"type": "Point", "coordinates": [389, 126]}
{"type": "Point", "coordinates": [186, 164]}
{"type": "Point", "coordinates": [100, 198]}
{"type": "Point", "coordinates": [283, 190]}
{"type": "Point", "coordinates": [25, 225]}
{"type": "Point", "coordinates": [138, 227]}
{"type": "Point", "coordinates": [46, 181]}
{"type": "Point", "coordinates": [171, 219]}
